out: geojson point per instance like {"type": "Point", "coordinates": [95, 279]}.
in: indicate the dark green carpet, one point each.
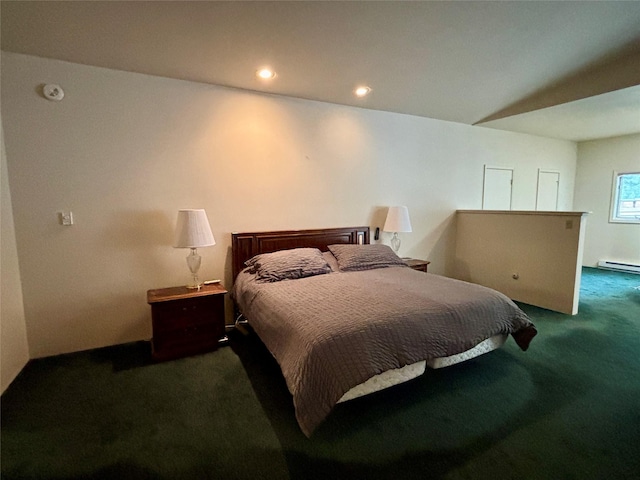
{"type": "Point", "coordinates": [569, 408]}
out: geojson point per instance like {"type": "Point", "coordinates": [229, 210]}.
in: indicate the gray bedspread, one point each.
{"type": "Point", "coordinates": [331, 332]}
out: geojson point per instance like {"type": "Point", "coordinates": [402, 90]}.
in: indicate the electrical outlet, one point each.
{"type": "Point", "coordinates": [66, 218]}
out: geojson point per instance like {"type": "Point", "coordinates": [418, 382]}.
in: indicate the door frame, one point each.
{"type": "Point", "coordinates": [546, 170]}
{"type": "Point", "coordinates": [484, 183]}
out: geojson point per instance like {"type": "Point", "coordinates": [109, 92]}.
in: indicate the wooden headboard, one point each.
{"type": "Point", "coordinates": [246, 245]}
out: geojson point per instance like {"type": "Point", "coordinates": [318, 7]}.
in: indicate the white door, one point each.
{"type": "Point", "coordinates": [496, 193]}
{"type": "Point", "coordinates": [548, 186]}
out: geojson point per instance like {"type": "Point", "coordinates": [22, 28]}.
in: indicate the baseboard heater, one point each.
{"type": "Point", "coordinates": [624, 267]}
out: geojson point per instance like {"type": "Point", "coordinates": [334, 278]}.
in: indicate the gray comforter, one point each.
{"type": "Point", "coordinates": [331, 332]}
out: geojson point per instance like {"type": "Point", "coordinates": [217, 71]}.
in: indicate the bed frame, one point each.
{"type": "Point", "coordinates": [246, 245]}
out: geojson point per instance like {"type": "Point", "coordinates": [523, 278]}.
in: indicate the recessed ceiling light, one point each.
{"type": "Point", "coordinates": [362, 91]}
{"type": "Point", "coordinates": [266, 74]}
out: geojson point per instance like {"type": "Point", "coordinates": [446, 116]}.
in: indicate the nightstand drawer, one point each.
{"type": "Point", "coordinates": [179, 314]}
{"type": "Point", "coordinates": [189, 339]}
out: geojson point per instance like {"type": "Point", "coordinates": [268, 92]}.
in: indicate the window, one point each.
{"type": "Point", "coordinates": [625, 198]}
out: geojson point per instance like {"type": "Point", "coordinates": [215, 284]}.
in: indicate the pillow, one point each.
{"type": "Point", "coordinates": [288, 264]}
{"type": "Point", "coordinates": [331, 260]}
{"type": "Point", "coordinates": [365, 257]}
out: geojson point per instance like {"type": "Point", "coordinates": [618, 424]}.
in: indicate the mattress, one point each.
{"type": "Point", "coordinates": [330, 333]}
{"type": "Point", "coordinates": [396, 376]}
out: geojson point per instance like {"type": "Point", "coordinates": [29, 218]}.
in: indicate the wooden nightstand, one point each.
{"type": "Point", "coordinates": [186, 321]}
{"type": "Point", "coordinates": [416, 264]}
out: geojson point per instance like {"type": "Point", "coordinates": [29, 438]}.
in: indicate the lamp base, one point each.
{"type": "Point", "coordinates": [395, 242]}
{"type": "Point", "coordinates": [193, 261]}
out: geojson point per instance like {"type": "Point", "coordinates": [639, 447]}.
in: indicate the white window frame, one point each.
{"type": "Point", "coordinates": [615, 189]}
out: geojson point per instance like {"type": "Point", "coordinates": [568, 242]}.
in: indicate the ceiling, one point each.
{"type": "Point", "coordinates": [559, 69]}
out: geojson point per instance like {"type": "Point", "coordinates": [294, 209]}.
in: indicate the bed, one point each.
{"type": "Point", "coordinates": [344, 318]}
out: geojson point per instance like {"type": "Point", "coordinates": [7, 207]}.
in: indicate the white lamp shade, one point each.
{"type": "Point", "coordinates": [397, 220]}
{"type": "Point", "coordinates": [193, 230]}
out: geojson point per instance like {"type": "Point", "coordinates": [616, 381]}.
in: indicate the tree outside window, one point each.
{"type": "Point", "coordinates": [625, 205]}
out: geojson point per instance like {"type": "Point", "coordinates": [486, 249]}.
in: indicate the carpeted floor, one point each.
{"type": "Point", "coordinates": [569, 408]}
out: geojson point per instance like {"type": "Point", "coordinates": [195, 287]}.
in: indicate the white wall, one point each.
{"type": "Point", "coordinates": [14, 352]}
{"type": "Point", "coordinates": [125, 151]}
{"type": "Point", "coordinates": [597, 160]}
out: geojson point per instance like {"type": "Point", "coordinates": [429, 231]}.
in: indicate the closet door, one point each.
{"type": "Point", "coordinates": [548, 186]}
{"type": "Point", "coordinates": [496, 192]}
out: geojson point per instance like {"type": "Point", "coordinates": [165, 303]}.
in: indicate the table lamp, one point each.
{"type": "Point", "coordinates": [193, 231]}
{"type": "Point", "coordinates": [397, 221]}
